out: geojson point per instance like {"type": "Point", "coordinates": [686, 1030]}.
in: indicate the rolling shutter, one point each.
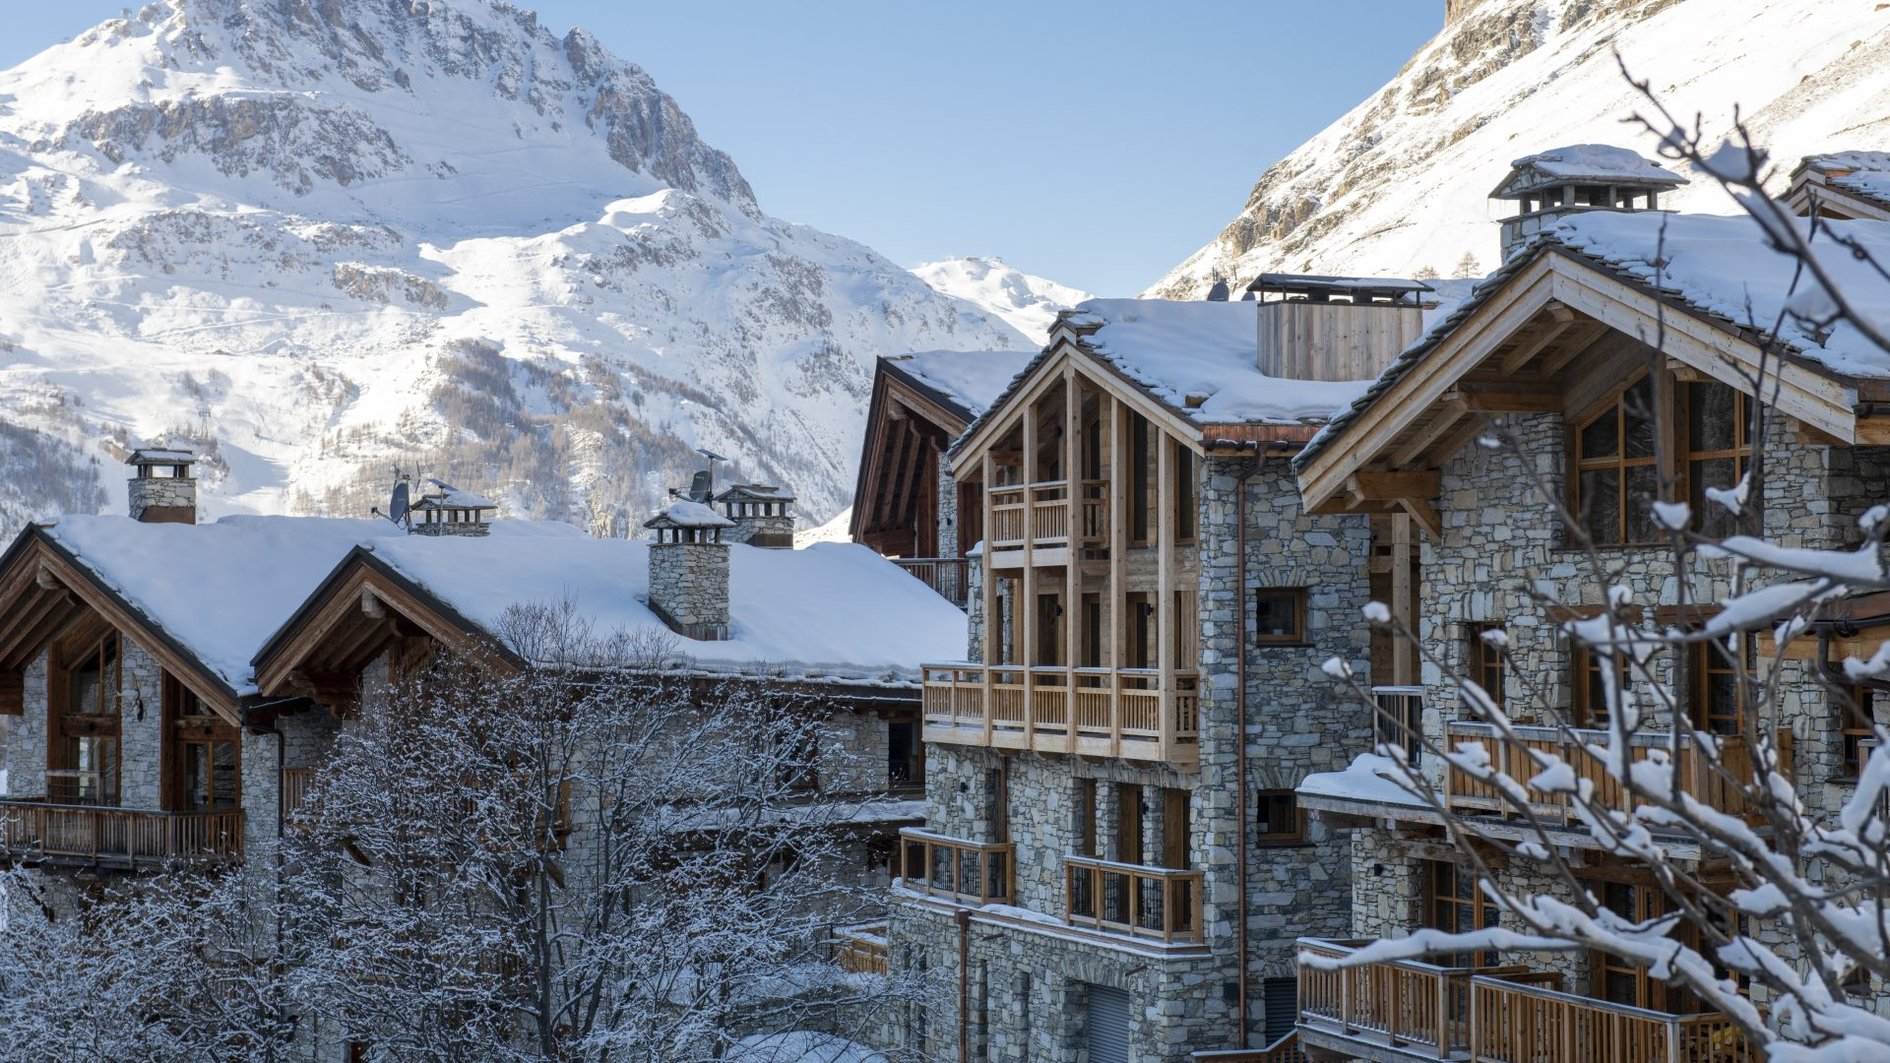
{"type": "Point", "coordinates": [1282, 1004]}
{"type": "Point", "coordinates": [1107, 1031]}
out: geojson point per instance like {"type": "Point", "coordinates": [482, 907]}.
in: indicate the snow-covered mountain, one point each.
{"type": "Point", "coordinates": [315, 239]}
{"type": "Point", "coordinates": [1027, 303]}
{"type": "Point", "coordinates": [1400, 183]}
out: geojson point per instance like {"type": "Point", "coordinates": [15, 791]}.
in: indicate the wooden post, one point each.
{"type": "Point", "coordinates": [1027, 610]}
{"type": "Point", "coordinates": [1072, 580]}
{"type": "Point", "coordinates": [1402, 603]}
{"type": "Point", "coordinates": [1164, 514]}
{"type": "Point", "coordinates": [1118, 546]}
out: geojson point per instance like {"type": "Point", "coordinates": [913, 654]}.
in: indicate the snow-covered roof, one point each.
{"type": "Point", "coordinates": [1587, 162]}
{"type": "Point", "coordinates": [757, 492]}
{"type": "Point", "coordinates": [160, 456]}
{"type": "Point", "coordinates": [218, 590]}
{"type": "Point", "coordinates": [1316, 282]}
{"type": "Point", "coordinates": [1716, 264]}
{"type": "Point", "coordinates": [454, 498]}
{"type": "Point", "coordinates": [1863, 172]}
{"type": "Point", "coordinates": [970, 381]}
{"type": "Point", "coordinates": [1368, 778]}
{"type": "Point", "coordinates": [832, 611]}
{"type": "Point", "coordinates": [1202, 359]}
{"type": "Point", "coordinates": [687, 513]}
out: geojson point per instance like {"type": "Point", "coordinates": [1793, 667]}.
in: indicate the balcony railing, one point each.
{"type": "Point", "coordinates": [970, 872]}
{"type": "Point", "coordinates": [1152, 902]}
{"type": "Point", "coordinates": [1492, 1015]}
{"type": "Point", "coordinates": [1284, 1050]}
{"type": "Point", "coordinates": [1111, 712]}
{"type": "Point", "coordinates": [1040, 514]}
{"type": "Point", "coordinates": [949, 576]}
{"type": "Point", "coordinates": [296, 783]}
{"type": "Point", "coordinates": [1694, 771]}
{"type": "Point", "coordinates": [1398, 720]}
{"type": "Point", "coordinates": [861, 949]}
{"type": "Point", "coordinates": [117, 836]}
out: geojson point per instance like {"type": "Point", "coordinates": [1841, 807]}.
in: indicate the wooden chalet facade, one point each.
{"type": "Point", "coordinates": [1558, 349]}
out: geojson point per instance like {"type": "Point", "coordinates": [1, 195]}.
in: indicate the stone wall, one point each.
{"type": "Point", "coordinates": [689, 587]}
{"type": "Point", "coordinates": [26, 736]}
{"type": "Point", "coordinates": [170, 495]}
{"type": "Point", "coordinates": [947, 510]}
{"type": "Point", "coordinates": [774, 532]}
{"type": "Point", "coordinates": [140, 728]}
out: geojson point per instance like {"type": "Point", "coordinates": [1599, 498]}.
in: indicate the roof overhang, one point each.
{"type": "Point", "coordinates": [1812, 188]}
{"type": "Point", "coordinates": [897, 396]}
{"type": "Point", "coordinates": [359, 608]}
{"type": "Point", "coordinates": [44, 587]}
{"type": "Point", "coordinates": [1338, 478]}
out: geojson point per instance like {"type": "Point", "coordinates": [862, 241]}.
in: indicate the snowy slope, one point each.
{"type": "Point", "coordinates": [1027, 303]}
{"type": "Point", "coordinates": [1400, 183]}
{"type": "Point", "coordinates": [315, 240]}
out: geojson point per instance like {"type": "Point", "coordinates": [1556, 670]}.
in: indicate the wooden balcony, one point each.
{"type": "Point", "coordinates": [1151, 902]}
{"type": "Point", "coordinates": [861, 949]}
{"type": "Point", "coordinates": [117, 837]}
{"type": "Point", "coordinates": [976, 873]}
{"type": "Point", "coordinates": [1098, 712]}
{"type": "Point", "coordinates": [1408, 1010]}
{"type": "Point", "coordinates": [1695, 774]}
{"type": "Point", "coordinates": [949, 576]}
{"type": "Point", "coordinates": [1043, 521]}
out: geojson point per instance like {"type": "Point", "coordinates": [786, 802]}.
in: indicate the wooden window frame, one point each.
{"type": "Point", "coordinates": [1451, 890]}
{"type": "Point", "coordinates": [1187, 499]}
{"type": "Point", "coordinates": [1704, 660]}
{"type": "Point", "coordinates": [183, 728]}
{"type": "Point", "coordinates": [103, 723]}
{"type": "Point", "coordinates": [1488, 665]}
{"type": "Point", "coordinates": [1296, 637]}
{"type": "Point", "coordinates": [1692, 461]}
{"type": "Point", "coordinates": [1585, 689]}
{"type": "Point", "coordinates": [1619, 462]}
{"type": "Point", "coordinates": [1265, 804]}
{"type": "Point", "coordinates": [1855, 714]}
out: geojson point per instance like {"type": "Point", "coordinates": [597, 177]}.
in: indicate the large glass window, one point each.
{"type": "Point", "coordinates": [84, 767]}
{"type": "Point", "coordinates": [1718, 442]}
{"type": "Point", "coordinates": [1616, 474]}
{"type": "Point", "coordinates": [206, 759]}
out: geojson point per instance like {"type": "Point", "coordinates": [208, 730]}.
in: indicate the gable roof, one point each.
{"type": "Point", "coordinates": [966, 383]}
{"type": "Point", "coordinates": [833, 612]}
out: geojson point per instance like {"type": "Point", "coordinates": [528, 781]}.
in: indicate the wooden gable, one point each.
{"type": "Point", "coordinates": [1559, 336]}
{"type": "Point", "coordinates": [360, 611]}
{"type": "Point", "coordinates": [895, 498]}
{"type": "Point", "coordinates": [44, 593]}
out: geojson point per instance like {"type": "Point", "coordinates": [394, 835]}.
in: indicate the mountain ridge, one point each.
{"type": "Point", "coordinates": [316, 239]}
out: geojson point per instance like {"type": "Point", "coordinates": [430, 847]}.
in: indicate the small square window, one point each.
{"type": "Point", "coordinates": [1279, 616]}
{"type": "Point", "coordinates": [1277, 818]}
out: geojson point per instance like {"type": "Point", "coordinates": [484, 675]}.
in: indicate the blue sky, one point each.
{"type": "Point", "coordinates": [1096, 143]}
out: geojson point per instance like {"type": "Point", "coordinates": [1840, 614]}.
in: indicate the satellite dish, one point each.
{"type": "Point", "coordinates": [702, 486]}
{"type": "Point", "coordinates": [397, 506]}
{"type": "Point", "coordinates": [1218, 293]}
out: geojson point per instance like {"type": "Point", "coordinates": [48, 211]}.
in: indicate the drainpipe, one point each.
{"type": "Point", "coordinates": [1240, 729]}
{"type": "Point", "coordinates": [963, 918]}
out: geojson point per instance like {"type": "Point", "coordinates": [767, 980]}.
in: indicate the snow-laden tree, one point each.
{"type": "Point", "coordinates": [1775, 907]}
{"type": "Point", "coordinates": [598, 857]}
{"type": "Point", "coordinates": [595, 858]}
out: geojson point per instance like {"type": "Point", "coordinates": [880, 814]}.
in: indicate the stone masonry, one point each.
{"type": "Point", "coordinates": [689, 587]}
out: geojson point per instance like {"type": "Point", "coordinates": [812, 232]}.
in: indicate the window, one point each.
{"type": "Point", "coordinates": [1589, 704]}
{"type": "Point", "coordinates": [1486, 648]}
{"type": "Point", "coordinates": [1279, 616]}
{"type": "Point", "coordinates": [1620, 982]}
{"type": "Point", "coordinates": [1714, 687]}
{"type": "Point", "coordinates": [1718, 442]}
{"type": "Point", "coordinates": [205, 755]}
{"type": "Point", "coordinates": [1186, 499]}
{"type": "Point", "coordinates": [83, 765]}
{"type": "Point", "coordinates": [1454, 903]}
{"type": "Point", "coordinates": [1277, 819]}
{"type": "Point", "coordinates": [1128, 823]}
{"type": "Point", "coordinates": [1174, 827]}
{"type": "Point", "coordinates": [1615, 471]}
{"type": "Point", "coordinates": [1141, 479]}
{"type": "Point", "coordinates": [1856, 715]}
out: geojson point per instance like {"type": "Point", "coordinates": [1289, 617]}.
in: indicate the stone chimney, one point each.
{"type": "Point", "coordinates": [162, 490]}
{"type": "Point", "coordinates": [689, 570]}
{"type": "Point", "coordinates": [763, 515]}
{"type": "Point", "coordinates": [1335, 328]}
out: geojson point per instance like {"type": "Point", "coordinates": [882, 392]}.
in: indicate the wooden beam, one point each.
{"type": "Point", "coordinates": [1443, 418]}
{"type": "Point", "coordinates": [1872, 431]}
{"type": "Point", "coordinates": [1424, 514]}
{"type": "Point", "coordinates": [1403, 597]}
{"type": "Point", "coordinates": [1377, 485]}
{"type": "Point", "coordinates": [1529, 347]}
{"type": "Point", "coordinates": [1577, 342]}
{"type": "Point", "coordinates": [1507, 398]}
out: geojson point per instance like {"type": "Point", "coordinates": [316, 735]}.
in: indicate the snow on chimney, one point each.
{"type": "Point", "coordinates": [162, 491]}
{"type": "Point", "coordinates": [689, 570]}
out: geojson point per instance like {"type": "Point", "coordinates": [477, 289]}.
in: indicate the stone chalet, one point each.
{"type": "Point", "coordinates": [170, 688]}
{"type": "Point", "coordinates": [1114, 865]}
{"type": "Point", "coordinates": [1557, 345]}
